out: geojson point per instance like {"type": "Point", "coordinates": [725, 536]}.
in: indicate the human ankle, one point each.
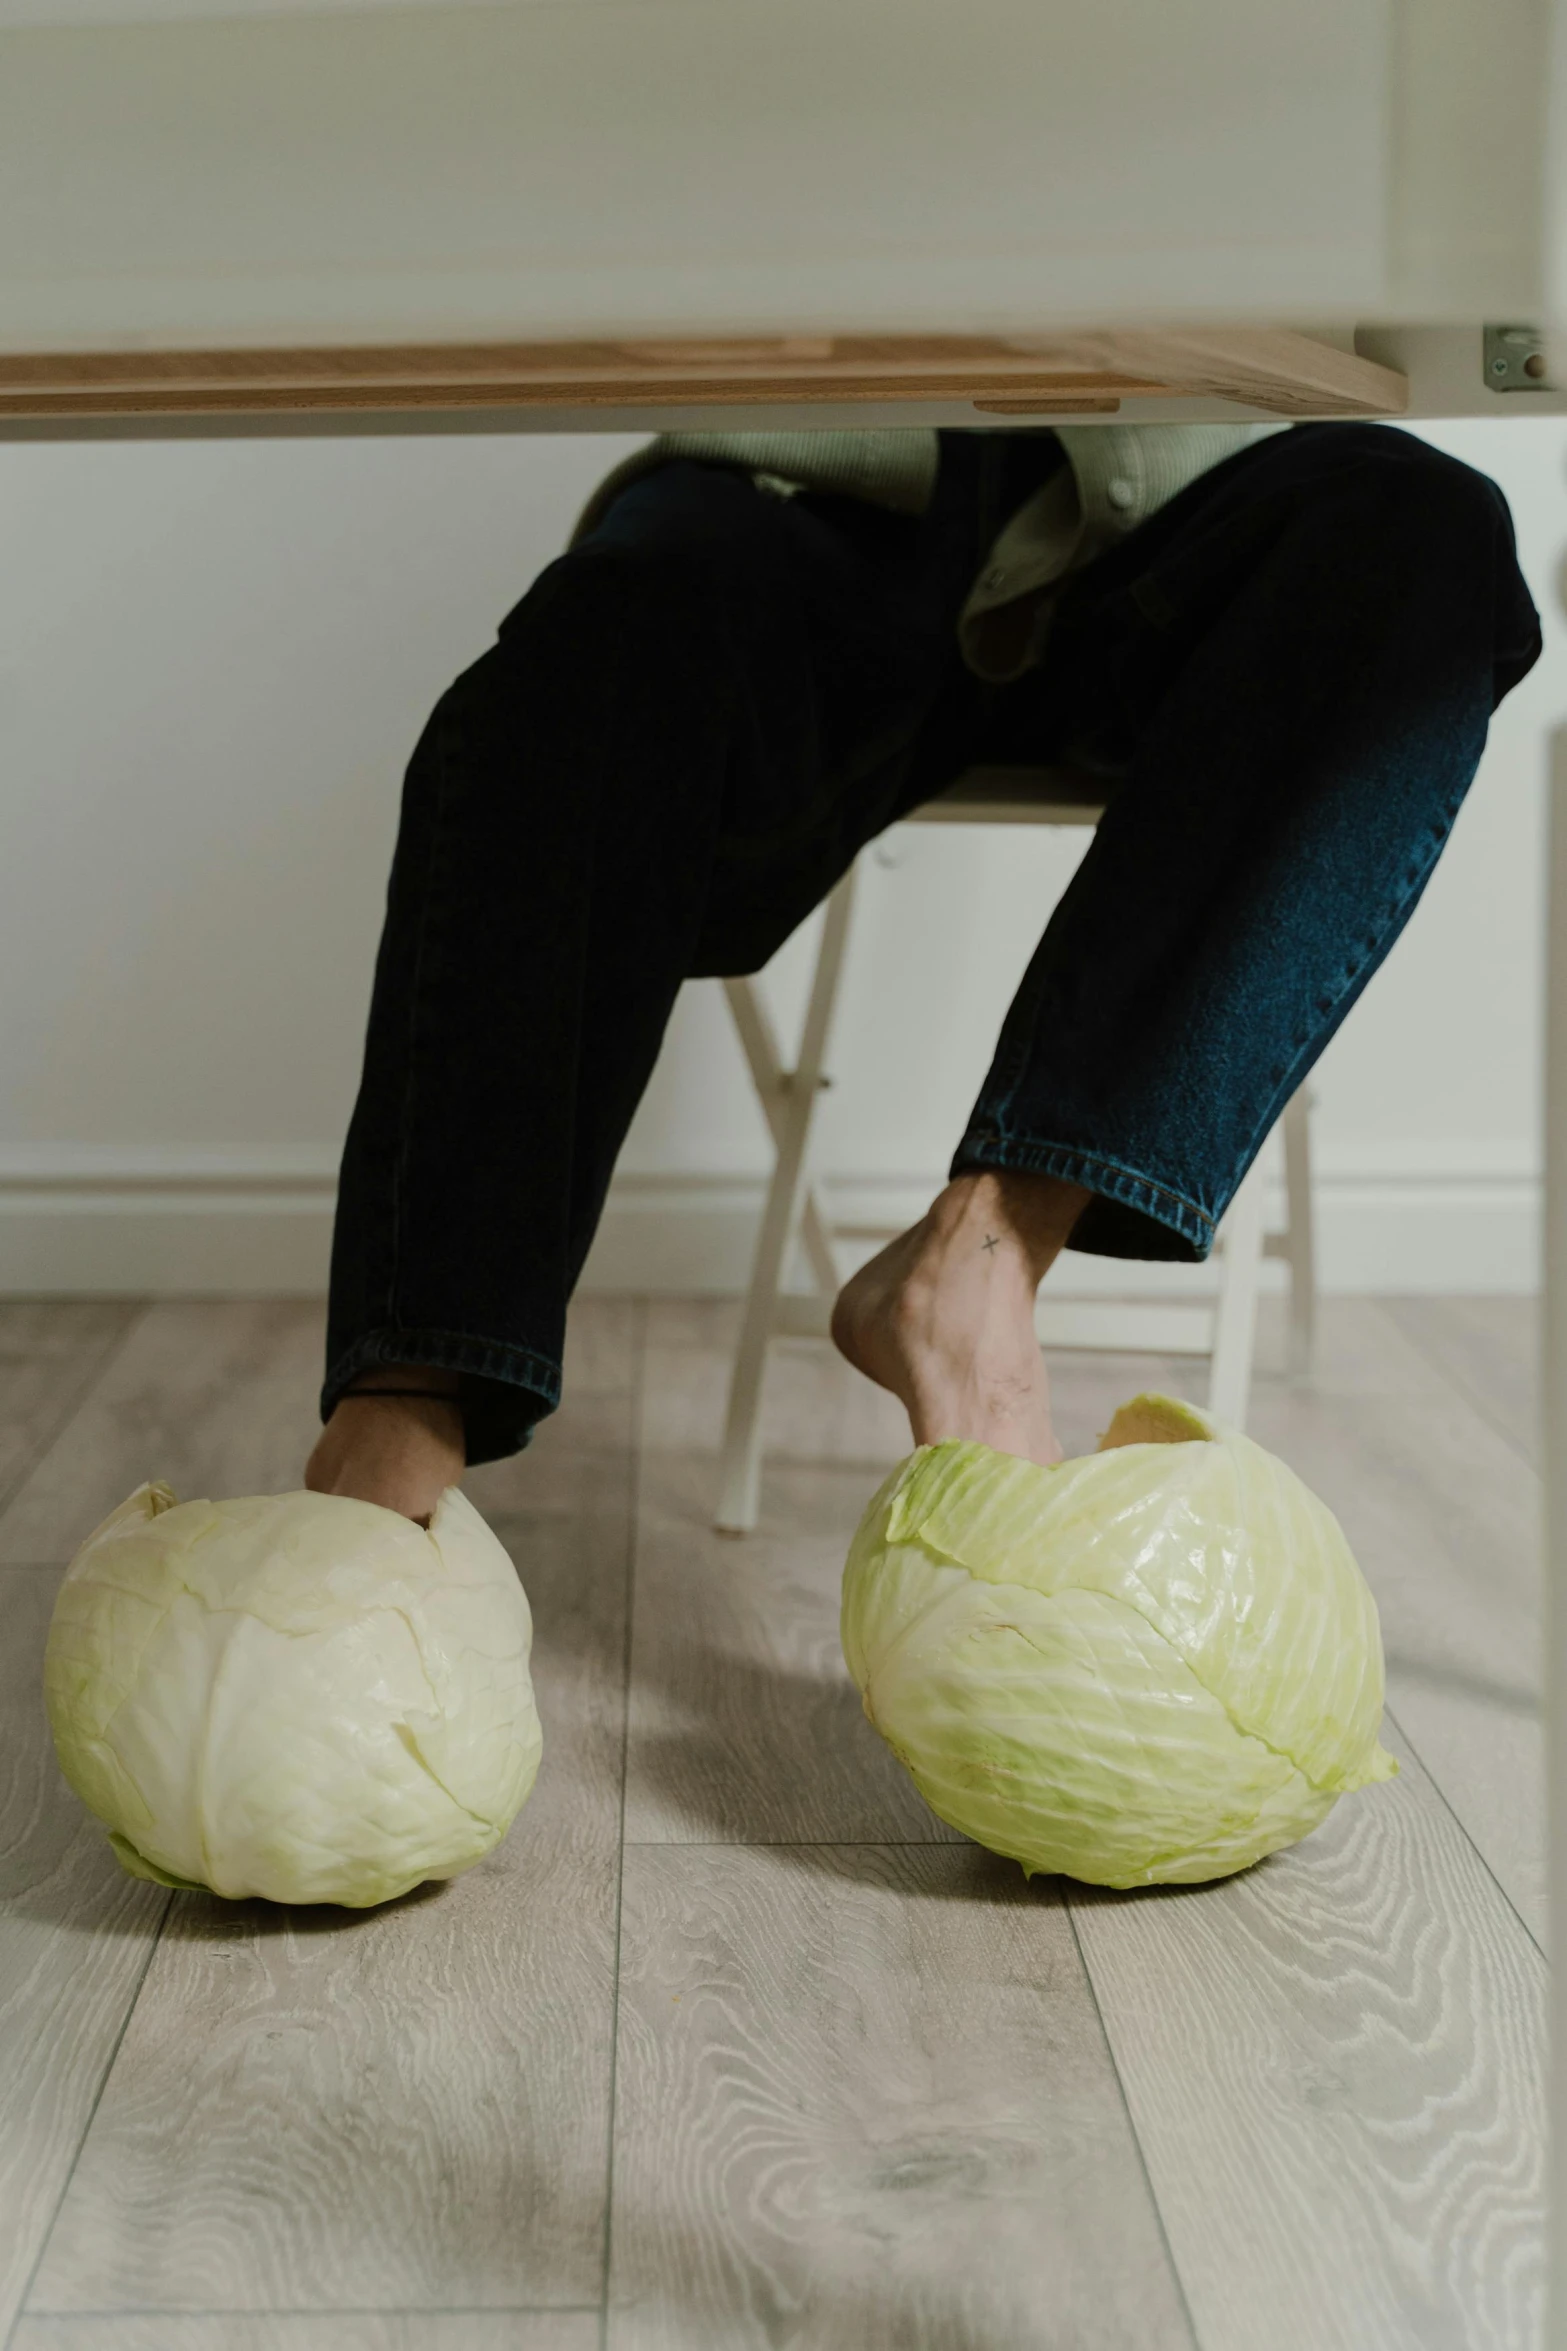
{"type": "Point", "coordinates": [1017, 1216]}
{"type": "Point", "coordinates": [399, 1450]}
{"type": "Point", "coordinates": [944, 1316]}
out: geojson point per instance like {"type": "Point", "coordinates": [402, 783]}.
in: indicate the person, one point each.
{"type": "Point", "coordinates": [1277, 649]}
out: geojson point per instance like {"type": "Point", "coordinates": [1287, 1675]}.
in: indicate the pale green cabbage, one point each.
{"type": "Point", "coordinates": [297, 1696]}
{"type": "Point", "coordinates": [1158, 1662]}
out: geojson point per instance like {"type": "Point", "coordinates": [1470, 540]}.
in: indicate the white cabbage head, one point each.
{"type": "Point", "coordinates": [297, 1696]}
{"type": "Point", "coordinates": [1158, 1662]}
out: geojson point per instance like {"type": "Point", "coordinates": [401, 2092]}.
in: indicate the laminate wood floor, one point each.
{"type": "Point", "coordinates": [732, 2044]}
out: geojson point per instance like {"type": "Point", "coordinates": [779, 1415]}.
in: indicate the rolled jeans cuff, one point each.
{"type": "Point", "coordinates": [1130, 1215]}
{"type": "Point", "coordinates": [504, 1390]}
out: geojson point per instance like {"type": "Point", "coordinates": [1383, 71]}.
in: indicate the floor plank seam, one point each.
{"type": "Point", "coordinates": [74, 1402]}
{"type": "Point", "coordinates": [1126, 2109]}
{"type": "Point", "coordinates": [861, 2099]}
{"type": "Point", "coordinates": [789, 1844]}
{"type": "Point", "coordinates": [1458, 1824]}
{"type": "Point", "coordinates": [153, 1941]}
{"type": "Point", "coordinates": [633, 1509]}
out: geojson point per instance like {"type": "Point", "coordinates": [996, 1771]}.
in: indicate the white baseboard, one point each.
{"type": "Point", "coordinates": [1380, 1229]}
{"type": "Point", "coordinates": [121, 1220]}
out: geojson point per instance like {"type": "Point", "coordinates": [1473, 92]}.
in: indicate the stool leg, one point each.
{"type": "Point", "coordinates": [759, 1043]}
{"type": "Point", "coordinates": [1300, 1232]}
{"type": "Point", "coordinates": [740, 1480]}
{"type": "Point", "coordinates": [1235, 1316]}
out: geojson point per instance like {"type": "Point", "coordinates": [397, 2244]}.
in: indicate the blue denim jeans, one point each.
{"type": "Point", "coordinates": [696, 718]}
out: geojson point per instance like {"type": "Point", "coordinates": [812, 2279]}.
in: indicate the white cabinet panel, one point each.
{"type": "Point", "coordinates": [626, 165]}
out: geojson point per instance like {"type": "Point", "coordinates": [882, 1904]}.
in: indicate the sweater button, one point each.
{"type": "Point", "coordinates": [1120, 493]}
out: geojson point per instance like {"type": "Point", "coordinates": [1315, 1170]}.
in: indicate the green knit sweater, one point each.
{"type": "Point", "coordinates": [1115, 477]}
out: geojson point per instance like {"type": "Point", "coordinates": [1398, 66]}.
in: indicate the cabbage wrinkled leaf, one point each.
{"type": "Point", "coordinates": [1158, 1662]}
{"type": "Point", "coordinates": [297, 1696]}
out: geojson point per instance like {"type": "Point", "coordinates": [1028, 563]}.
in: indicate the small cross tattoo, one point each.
{"type": "Point", "coordinates": [990, 1242]}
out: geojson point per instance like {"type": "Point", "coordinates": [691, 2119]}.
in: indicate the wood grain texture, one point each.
{"type": "Point", "coordinates": [1282, 371]}
{"type": "Point", "coordinates": [51, 1349]}
{"type": "Point", "coordinates": [337, 2330]}
{"type": "Point", "coordinates": [627, 392]}
{"type": "Point", "coordinates": [1442, 1514]}
{"type": "Point", "coordinates": [1490, 1349]}
{"type": "Point", "coordinates": [863, 2095]}
{"type": "Point", "coordinates": [218, 1397]}
{"type": "Point", "coordinates": [1335, 2068]}
{"type": "Point", "coordinates": [744, 1724]}
{"type": "Point", "coordinates": [75, 1933]}
{"type": "Point", "coordinates": [864, 2101]}
{"type": "Point", "coordinates": [313, 2110]}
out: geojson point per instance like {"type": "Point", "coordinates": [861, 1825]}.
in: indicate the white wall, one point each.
{"type": "Point", "coordinates": [214, 658]}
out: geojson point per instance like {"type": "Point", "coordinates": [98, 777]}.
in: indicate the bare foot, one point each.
{"type": "Point", "coordinates": [400, 1451]}
{"type": "Point", "coordinates": [944, 1316]}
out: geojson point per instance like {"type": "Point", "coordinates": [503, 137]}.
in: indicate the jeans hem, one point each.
{"type": "Point", "coordinates": [494, 1425]}
{"type": "Point", "coordinates": [1105, 1177]}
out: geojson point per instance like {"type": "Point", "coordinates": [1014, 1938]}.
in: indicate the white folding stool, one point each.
{"type": "Point", "coordinates": [1223, 1330]}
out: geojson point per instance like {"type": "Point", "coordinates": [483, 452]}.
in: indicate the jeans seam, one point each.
{"type": "Point", "coordinates": [1036, 1147]}
{"type": "Point", "coordinates": [443, 1350]}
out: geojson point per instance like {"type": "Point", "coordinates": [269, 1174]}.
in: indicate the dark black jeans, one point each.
{"type": "Point", "coordinates": [695, 719]}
